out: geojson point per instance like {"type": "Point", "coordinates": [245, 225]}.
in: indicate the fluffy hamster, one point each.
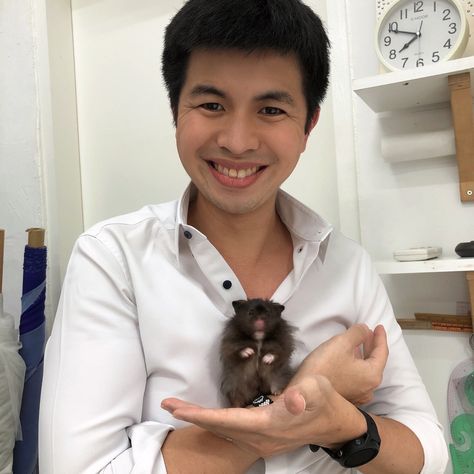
{"type": "Point", "coordinates": [255, 351]}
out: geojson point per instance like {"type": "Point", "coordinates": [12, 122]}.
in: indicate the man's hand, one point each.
{"type": "Point", "coordinates": [353, 362]}
{"type": "Point", "coordinates": [308, 412]}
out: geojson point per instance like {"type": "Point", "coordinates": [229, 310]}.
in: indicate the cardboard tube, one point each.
{"type": "Point", "coordinates": [35, 237]}
{"type": "Point", "coordinates": [2, 247]}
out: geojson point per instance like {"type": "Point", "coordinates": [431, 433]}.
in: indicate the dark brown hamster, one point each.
{"type": "Point", "coordinates": [256, 347]}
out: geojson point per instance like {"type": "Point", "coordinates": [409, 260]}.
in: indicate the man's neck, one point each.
{"type": "Point", "coordinates": [247, 238]}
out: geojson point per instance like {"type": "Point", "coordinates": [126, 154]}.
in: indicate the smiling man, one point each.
{"type": "Point", "coordinates": [132, 370]}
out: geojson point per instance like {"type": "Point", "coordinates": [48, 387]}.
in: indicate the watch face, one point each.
{"type": "Point", "coordinates": [414, 34]}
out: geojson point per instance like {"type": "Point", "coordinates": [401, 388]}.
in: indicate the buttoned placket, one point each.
{"type": "Point", "coordinates": [214, 269]}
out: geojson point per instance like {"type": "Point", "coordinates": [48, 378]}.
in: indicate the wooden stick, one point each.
{"type": "Point", "coordinates": [35, 237]}
{"type": "Point", "coordinates": [461, 109]}
{"type": "Point", "coordinates": [443, 318]}
{"type": "Point", "coordinates": [437, 326]}
{"type": "Point", "coordinates": [414, 324]}
{"type": "Point", "coordinates": [2, 247]}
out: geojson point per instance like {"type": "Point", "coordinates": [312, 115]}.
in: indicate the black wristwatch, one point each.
{"type": "Point", "coordinates": [359, 451]}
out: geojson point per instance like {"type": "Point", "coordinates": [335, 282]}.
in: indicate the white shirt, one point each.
{"type": "Point", "coordinates": [140, 318]}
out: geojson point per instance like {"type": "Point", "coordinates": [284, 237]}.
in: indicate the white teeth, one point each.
{"type": "Point", "coordinates": [233, 173]}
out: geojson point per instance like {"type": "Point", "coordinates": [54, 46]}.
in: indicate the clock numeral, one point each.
{"type": "Point", "coordinates": [434, 6]}
{"type": "Point", "coordinates": [447, 44]}
{"type": "Point", "coordinates": [446, 16]}
{"type": "Point", "coordinates": [435, 57]}
{"type": "Point", "coordinates": [404, 61]}
{"type": "Point", "coordinates": [393, 27]}
{"type": "Point", "coordinates": [420, 62]}
{"type": "Point", "coordinates": [452, 28]}
{"type": "Point", "coordinates": [403, 14]}
{"type": "Point", "coordinates": [387, 40]}
{"type": "Point", "coordinates": [393, 54]}
{"type": "Point", "coordinates": [418, 7]}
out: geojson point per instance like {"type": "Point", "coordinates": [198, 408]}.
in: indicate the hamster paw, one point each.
{"type": "Point", "coordinates": [247, 352]}
{"type": "Point", "coordinates": [268, 358]}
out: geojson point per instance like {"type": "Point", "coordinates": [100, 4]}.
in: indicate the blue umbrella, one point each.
{"type": "Point", "coordinates": [32, 338]}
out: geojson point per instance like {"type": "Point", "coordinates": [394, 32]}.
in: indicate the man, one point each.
{"type": "Point", "coordinates": [134, 350]}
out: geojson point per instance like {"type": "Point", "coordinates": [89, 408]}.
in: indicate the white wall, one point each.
{"type": "Point", "coordinates": [128, 155]}
{"type": "Point", "coordinates": [39, 165]}
{"type": "Point", "coordinates": [21, 197]}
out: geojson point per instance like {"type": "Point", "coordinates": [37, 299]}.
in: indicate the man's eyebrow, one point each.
{"type": "Point", "coordinates": [276, 95]}
{"type": "Point", "coordinates": [279, 96]}
{"type": "Point", "coordinates": [204, 89]}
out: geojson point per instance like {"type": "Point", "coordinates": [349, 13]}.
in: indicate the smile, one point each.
{"type": "Point", "coordinates": [234, 173]}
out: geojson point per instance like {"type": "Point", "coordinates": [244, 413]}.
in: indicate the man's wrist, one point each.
{"type": "Point", "coordinates": [358, 451]}
{"type": "Point", "coordinates": [356, 426]}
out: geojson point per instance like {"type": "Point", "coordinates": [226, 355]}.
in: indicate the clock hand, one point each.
{"type": "Point", "coordinates": [406, 32]}
{"type": "Point", "coordinates": [405, 46]}
{"type": "Point", "coordinates": [419, 29]}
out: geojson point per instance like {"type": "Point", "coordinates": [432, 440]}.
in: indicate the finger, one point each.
{"type": "Point", "coordinates": [379, 352]}
{"type": "Point", "coordinates": [240, 419]}
{"type": "Point", "coordinates": [357, 335]}
{"type": "Point", "coordinates": [172, 404]}
{"type": "Point", "coordinates": [368, 346]}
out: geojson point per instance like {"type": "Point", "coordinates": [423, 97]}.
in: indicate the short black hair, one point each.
{"type": "Point", "coordinates": [283, 26]}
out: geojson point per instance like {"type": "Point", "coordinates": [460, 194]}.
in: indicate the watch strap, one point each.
{"type": "Point", "coordinates": [262, 401]}
{"type": "Point", "coordinates": [358, 451]}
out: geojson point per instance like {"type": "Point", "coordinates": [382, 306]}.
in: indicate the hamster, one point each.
{"type": "Point", "coordinates": [255, 351]}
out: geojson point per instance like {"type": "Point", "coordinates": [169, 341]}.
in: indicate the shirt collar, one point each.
{"type": "Point", "coordinates": [303, 223]}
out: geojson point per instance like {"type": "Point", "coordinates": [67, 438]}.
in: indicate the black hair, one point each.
{"type": "Point", "coordinates": [283, 26]}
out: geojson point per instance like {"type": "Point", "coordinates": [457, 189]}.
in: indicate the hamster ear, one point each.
{"type": "Point", "coordinates": [238, 304]}
{"type": "Point", "coordinates": [281, 308]}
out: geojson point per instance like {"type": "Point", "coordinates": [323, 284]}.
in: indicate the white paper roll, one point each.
{"type": "Point", "coordinates": [418, 146]}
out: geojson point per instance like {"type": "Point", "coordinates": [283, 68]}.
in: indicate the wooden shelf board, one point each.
{"type": "Point", "coordinates": [426, 266]}
{"type": "Point", "coordinates": [411, 88]}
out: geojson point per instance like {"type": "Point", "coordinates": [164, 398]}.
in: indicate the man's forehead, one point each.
{"type": "Point", "coordinates": [210, 71]}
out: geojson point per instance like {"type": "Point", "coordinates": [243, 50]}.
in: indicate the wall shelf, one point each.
{"type": "Point", "coordinates": [411, 88]}
{"type": "Point", "coordinates": [454, 264]}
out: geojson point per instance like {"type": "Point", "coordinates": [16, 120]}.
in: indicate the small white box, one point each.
{"type": "Point", "coordinates": [419, 253]}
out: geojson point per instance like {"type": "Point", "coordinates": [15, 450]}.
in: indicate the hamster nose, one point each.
{"type": "Point", "coordinates": [259, 325]}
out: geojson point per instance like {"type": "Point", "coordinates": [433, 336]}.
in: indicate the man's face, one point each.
{"type": "Point", "coordinates": [240, 126]}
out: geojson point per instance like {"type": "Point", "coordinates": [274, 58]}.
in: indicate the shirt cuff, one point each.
{"type": "Point", "coordinates": [144, 456]}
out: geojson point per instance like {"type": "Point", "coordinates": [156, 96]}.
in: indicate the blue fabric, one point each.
{"type": "Point", "coordinates": [32, 338]}
{"type": "Point", "coordinates": [25, 456]}
{"type": "Point", "coordinates": [34, 279]}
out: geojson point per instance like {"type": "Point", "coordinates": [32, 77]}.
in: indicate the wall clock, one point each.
{"type": "Point", "coordinates": [412, 34]}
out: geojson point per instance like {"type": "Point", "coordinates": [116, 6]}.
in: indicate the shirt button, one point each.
{"type": "Point", "coordinates": [227, 284]}
{"type": "Point", "coordinates": [188, 234]}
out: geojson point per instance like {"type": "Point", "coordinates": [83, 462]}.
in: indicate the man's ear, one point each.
{"type": "Point", "coordinates": [312, 124]}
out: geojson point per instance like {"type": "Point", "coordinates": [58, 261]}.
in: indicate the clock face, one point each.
{"type": "Point", "coordinates": [414, 34]}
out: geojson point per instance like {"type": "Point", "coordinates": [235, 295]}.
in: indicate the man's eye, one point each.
{"type": "Point", "coordinates": [272, 111]}
{"type": "Point", "coordinates": [212, 107]}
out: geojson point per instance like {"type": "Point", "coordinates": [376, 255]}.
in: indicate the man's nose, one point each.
{"type": "Point", "coordinates": [238, 135]}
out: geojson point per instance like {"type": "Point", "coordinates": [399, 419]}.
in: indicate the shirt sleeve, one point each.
{"type": "Point", "coordinates": [402, 395]}
{"type": "Point", "coordinates": [95, 375]}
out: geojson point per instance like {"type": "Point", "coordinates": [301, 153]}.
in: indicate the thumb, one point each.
{"type": "Point", "coordinates": [306, 394]}
{"type": "Point", "coordinates": [295, 402]}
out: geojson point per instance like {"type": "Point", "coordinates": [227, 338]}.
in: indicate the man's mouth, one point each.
{"type": "Point", "coordinates": [236, 173]}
